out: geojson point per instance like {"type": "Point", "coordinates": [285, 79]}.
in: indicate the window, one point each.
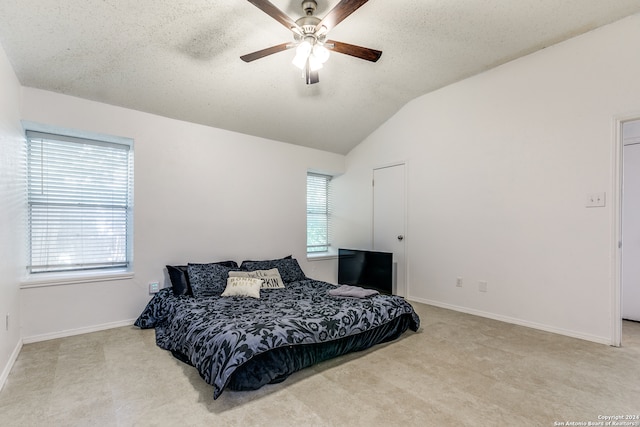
{"type": "Point", "coordinates": [318, 213]}
{"type": "Point", "coordinates": [79, 203]}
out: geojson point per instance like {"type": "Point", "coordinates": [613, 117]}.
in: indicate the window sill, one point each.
{"type": "Point", "coordinates": [60, 279]}
{"type": "Point", "coordinates": [320, 256]}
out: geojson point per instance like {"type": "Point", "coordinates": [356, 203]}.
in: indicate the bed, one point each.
{"type": "Point", "coordinates": [241, 339]}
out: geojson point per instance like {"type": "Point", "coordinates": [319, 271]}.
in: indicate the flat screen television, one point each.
{"type": "Point", "coordinates": [368, 269]}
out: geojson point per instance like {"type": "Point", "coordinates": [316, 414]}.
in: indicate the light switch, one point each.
{"type": "Point", "coordinates": [154, 287]}
{"type": "Point", "coordinates": [596, 200]}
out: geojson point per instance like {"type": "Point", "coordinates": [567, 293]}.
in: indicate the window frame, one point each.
{"type": "Point", "coordinates": [70, 274]}
{"type": "Point", "coordinates": [323, 210]}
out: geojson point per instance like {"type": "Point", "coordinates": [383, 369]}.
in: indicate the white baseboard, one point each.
{"type": "Point", "coordinates": [78, 331]}
{"type": "Point", "coordinates": [10, 363]}
{"type": "Point", "coordinates": [516, 321]}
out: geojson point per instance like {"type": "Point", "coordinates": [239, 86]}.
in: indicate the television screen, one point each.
{"type": "Point", "coordinates": [368, 269]}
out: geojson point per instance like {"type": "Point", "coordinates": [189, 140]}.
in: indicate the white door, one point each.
{"type": "Point", "coordinates": [631, 221]}
{"type": "Point", "coordinates": [389, 219]}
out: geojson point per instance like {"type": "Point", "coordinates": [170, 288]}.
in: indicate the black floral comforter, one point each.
{"type": "Point", "coordinates": [217, 335]}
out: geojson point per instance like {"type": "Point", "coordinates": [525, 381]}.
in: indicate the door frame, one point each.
{"type": "Point", "coordinates": [616, 221]}
{"type": "Point", "coordinates": [404, 163]}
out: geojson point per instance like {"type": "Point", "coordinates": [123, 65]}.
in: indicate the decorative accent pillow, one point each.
{"type": "Point", "coordinates": [278, 259]}
{"type": "Point", "coordinates": [179, 277]}
{"type": "Point", "coordinates": [230, 264]}
{"type": "Point", "coordinates": [243, 287]}
{"type": "Point", "coordinates": [207, 279]}
{"type": "Point", "coordinates": [270, 278]}
{"type": "Point", "coordinates": [288, 268]}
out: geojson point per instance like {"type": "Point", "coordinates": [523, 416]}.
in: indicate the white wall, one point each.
{"type": "Point", "coordinates": [11, 218]}
{"type": "Point", "coordinates": [631, 221]}
{"type": "Point", "coordinates": [499, 167]}
{"type": "Point", "coordinates": [201, 195]}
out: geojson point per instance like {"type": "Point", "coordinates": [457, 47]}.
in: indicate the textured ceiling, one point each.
{"type": "Point", "coordinates": [180, 58]}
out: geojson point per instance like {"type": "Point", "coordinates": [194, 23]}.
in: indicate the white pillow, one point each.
{"type": "Point", "coordinates": [270, 278]}
{"type": "Point", "coordinates": [242, 287]}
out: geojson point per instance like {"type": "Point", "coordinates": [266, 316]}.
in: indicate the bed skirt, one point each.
{"type": "Point", "coordinates": [274, 366]}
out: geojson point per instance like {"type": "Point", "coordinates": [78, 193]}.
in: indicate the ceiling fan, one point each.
{"type": "Point", "coordinates": [310, 36]}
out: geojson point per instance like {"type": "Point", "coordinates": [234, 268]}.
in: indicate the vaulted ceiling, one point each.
{"type": "Point", "coordinates": [181, 58]}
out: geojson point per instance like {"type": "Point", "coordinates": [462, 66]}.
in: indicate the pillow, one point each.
{"type": "Point", "coordinates": [179, 277]}
{"type": "Point", "coordinates": [207, 279]}
{"type": "Point", "coordinates": [243, 287]}
{"type": "Point", "coordinates": [288, 268]}
{"type": "Point", "coordinates": [286, 257]}
{"type": "Point", "coordinates": [270, 278]}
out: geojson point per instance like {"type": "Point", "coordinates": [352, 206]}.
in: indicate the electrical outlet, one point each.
{"type": "Point", "coordinates": [6, 322]}
{"type": "Point", "coordinates": [596, 200]}
{"type": "Point", "coordinates": [154, 287]}
{"type": "Point", "coordinates": [459, 282]}
{"type": "Point", "coordinates": [482, 286]}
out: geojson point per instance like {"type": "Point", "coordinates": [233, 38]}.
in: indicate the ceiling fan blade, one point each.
{"type": "Point", "coordinates": [353, 50]}
{"type": "Point", "coordinates": [265, 52]}
{"type": "Point", "coordinates": [339, 13]}
{"type": "Point", "coordinates": [267, 7]}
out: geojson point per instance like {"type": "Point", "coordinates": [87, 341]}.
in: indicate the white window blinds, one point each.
{"type": "Point", "coordinates": [80, 203]}
{"type": "Point", "coordinates": [318, 213]}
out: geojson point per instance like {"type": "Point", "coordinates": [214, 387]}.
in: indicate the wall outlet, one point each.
{"type": "Point", "coordinates": [6, 322]}
{"type": "Point", "coordinates": [459, 282]}
{"type": "Point", "coordinates": [154, 287]}
{"type": "Point", "coordinates": [482, 286]}
{"type": "Point", "coordinates": [596, 200]}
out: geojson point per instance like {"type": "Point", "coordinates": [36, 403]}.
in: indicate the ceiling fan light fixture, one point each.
{"type": "Point", "coordinates": [304, 48]}
{"type": "Point", "coordinates": [314, 63]}
{"type": "Point", "coordinates": [310, 36]}
{"type": "Point", "coordinates": [320, 52]}
{"type": "Point", "coordinates": [302, 54]}
{"type": "Point", "coordinates": [310, 53]}
{"type": "Point", "coordinates": [299, 61]}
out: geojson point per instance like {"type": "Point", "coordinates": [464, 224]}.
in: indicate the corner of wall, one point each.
{"type": "Point", "coordinates": [9, 365]}
{"type": "Point", "coordinates": [11, 216]}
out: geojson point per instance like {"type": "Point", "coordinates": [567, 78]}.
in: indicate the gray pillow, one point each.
{"type": "Point", "coordinates": [179, 276]}
{"type": "Point", "coordinates": [288, 268]}
{"type": "Point", "coordinates": [208, 279]}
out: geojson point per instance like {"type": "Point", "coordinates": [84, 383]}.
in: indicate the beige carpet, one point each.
{"type": "Point", "coordinates": [458, 370]}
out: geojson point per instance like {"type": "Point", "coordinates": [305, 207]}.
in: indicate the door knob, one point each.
{"type": "Point", "coordinates": [400, 237]}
